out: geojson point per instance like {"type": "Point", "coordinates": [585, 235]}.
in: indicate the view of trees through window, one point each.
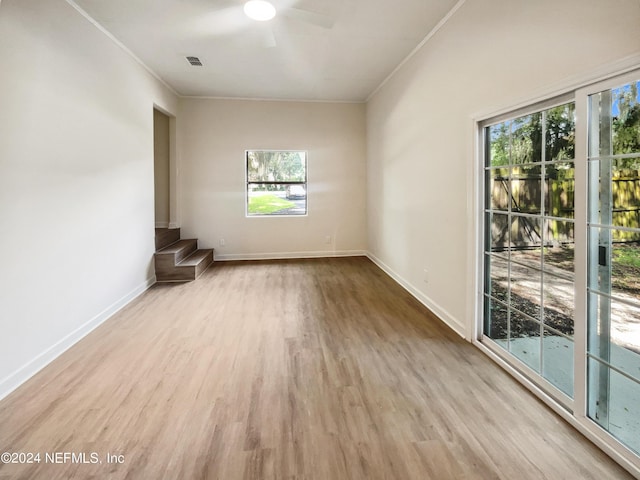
{"type": "Point", "coordinates": [276, 182]}
{"type": "Point", "coordinates": [529, 259]}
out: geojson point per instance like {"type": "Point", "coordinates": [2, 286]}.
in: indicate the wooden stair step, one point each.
{"type": "Point", "coordinates": [188, 269]}
{"type": "Point", "coordinates": [200, 260]}
{"type": "Point", "coordinates": [196, 257]}
{"type": "Point", "coordinates": [179, 250]}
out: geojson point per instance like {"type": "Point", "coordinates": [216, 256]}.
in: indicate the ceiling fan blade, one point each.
{"type": "Point", "coordinates": [221, 21]}
{"type": "Point", "coordinates": [268, 39]}
{"type": "Point", "coordinates": [307, 16]}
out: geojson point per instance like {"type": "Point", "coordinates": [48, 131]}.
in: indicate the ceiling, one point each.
{"type": "Point", "coordinates": [324, 50]}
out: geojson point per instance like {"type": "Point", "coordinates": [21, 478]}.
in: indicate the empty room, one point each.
{"type": "Point", "coordinates": [320, 239]}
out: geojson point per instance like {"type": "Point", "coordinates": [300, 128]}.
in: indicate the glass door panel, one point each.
{"type": "Point", "coordinates": [613, 283]}
{"type": "Point", "coordinates": [529, 275]}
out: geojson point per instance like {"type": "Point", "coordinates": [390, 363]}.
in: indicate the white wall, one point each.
{"type": "Point", "coordinates": [213, 136]}
{"type": "Point", "coordinates": [488, 56]}
{"type": "Point", "coordinates": [76, 181]}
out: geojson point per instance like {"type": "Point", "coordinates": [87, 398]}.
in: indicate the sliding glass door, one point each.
{"type": "Point", "coordinates": [561, 253]}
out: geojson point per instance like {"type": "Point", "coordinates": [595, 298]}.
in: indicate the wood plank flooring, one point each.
{"type": "Point", "coordinates": [299, 369]}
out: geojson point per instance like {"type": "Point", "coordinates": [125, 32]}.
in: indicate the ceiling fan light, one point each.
{"type": "Point", "coordinates": [259, 10]}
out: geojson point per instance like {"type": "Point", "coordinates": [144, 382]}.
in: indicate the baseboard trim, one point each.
{"type": "Point", "coordinates": [436, 309]}
{"type": "Point", "coordinates": [24, 373]}
{"type": "Point", "coordinates": [287, 255]}
{"type": "Point", "coordinates": [162, 224]}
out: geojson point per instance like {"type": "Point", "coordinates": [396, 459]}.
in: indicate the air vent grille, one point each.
{"type": "Point", "coordinates": [194, 61]}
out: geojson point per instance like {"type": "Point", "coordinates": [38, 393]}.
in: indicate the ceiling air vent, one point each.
{"type": "Point", "coordinates": [194, 61]}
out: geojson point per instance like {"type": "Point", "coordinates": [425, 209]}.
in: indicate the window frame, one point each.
{"type": "Point", "coordinates": [304, 183]}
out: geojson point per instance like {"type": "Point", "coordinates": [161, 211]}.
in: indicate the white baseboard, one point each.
{"type": "Point", "coordinates": [287, 255]}
{"type": "Point", "coordinates": [440, 312]}
{"type": "Point", "coordinates": [174, 225]}
{"type": "Point", "coordinates": [162, 224]}
{"type": "Point", "coordinates": [24, 373]}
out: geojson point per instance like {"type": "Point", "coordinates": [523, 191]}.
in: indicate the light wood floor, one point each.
{"type": "Point", "coordinates": [306, 369]}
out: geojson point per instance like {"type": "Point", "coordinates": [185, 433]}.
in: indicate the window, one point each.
{"type": "Point", "coordinates": [276, 182]}
{"type": "Point", "coordinates": [560, 256]}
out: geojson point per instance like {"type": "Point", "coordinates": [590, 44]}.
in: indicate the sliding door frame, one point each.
{"type": "Point", "coordinates": [573, 410]}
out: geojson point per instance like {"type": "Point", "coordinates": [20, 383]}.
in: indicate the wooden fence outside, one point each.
{"type": "Point", "coordinates": [526, 193]}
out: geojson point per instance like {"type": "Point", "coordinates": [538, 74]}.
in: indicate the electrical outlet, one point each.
{"type": "Point", "coordinates": [222, 242]}
{"type": "Point", "coordinates": [425, 276]}
{"type": "Point", "coordinates": [327, 239]}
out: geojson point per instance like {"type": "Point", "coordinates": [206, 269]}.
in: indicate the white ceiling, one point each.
{"type": "Point", "coordinates": [342, 53]}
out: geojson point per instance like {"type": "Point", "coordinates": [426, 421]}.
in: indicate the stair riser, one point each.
{"type": "Point", "coordinates": [164, 263]}
{"type": "Point", "coordinates": [178, 274]}
{"type": "Point", "coordinates": [166, 237]}
{"type": "Point", "coordinates": [202, 266]}
{"type": "Point", "coordinates": [185, 252]}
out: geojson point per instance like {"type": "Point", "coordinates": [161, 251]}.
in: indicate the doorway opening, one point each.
{"type": "Point", "coordinates": [162, 168]}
